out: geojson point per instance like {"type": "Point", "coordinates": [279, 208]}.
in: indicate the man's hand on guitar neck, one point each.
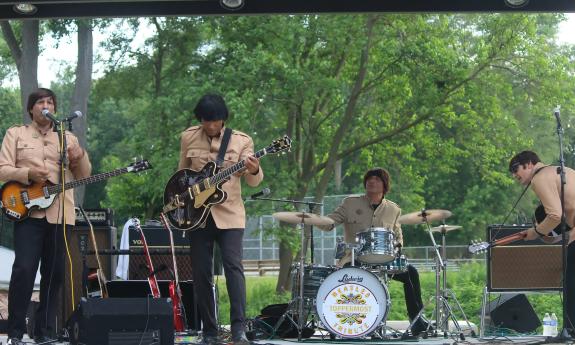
{"type": "Point", "coordinates": [38, 175]}
{"type": "Point", "coordinates": [530, 234]}
{"type": "Point", "coordinates": [252, 165]}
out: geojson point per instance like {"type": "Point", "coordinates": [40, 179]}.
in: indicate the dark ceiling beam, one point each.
{"type": "Point", "coordinates": [132, 8]}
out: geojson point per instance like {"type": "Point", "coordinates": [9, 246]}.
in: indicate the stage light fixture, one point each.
{"type": "Point", "coordinates": [25, 8]}
{"type": "Point", "coordinates": [516, 3]}
{"type": "Point", "coordinates": [232, 5]}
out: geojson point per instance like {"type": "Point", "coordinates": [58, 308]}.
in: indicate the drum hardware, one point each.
{"type": "Point", "coordinates": [443, 311]}
{"type": "Point", "coordinates": [303, 219]}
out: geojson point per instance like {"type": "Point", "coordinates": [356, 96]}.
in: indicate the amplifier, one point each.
{"type": "Point", "coordinates": [522, 265]}
{"type": "Point", "coordinates": [158, 237]}
{"type": "Point", "coordinates": [98, 216]}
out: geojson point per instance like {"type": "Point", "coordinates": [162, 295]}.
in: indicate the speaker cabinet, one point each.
{"type": "Point", "coordinates": [513, 312]}
{"type": "Point", "coordinates": [122, 321]}
{"type": "Point", "coordinates": [79, 239]}
{"type": "Point", "coordinates": [141, 288]}
{"type": "Point", "coordinates": [522, 265]}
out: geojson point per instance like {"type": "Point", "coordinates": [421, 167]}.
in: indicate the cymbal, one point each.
{"type": "Point", "coordinates": [302, 217]}
{"type": "Point", "coordinates": [445, 227]}
{"type": "Point", "coordinates": [418, 217]}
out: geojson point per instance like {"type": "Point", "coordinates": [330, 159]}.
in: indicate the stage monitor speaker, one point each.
{"type": "Point", "coordinates": [522, 265]}
{"type": "Point", "coordinates": [141, 288]}
{"type": "Point", "coordinates": [79, 238]}
{"type": "Point", "coordinates": [122, 321]}
{"type": "Point", "coordinates": [513, 312]}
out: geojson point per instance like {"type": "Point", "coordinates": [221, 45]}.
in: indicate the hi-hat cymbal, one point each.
{"type": "Point", "coordinates": [419, 217]}
{"type": "Point", "coordinates": [445, 227]}
{"type": "Point", "coordinates": [302, 217]}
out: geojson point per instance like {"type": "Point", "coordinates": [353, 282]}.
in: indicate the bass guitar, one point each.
{"type": "Point", "coordinates": [190, 194]}
{"type": "Point", "coordinates": [174, 287]}
{"type": "Point", "coordinates": [17, 199]}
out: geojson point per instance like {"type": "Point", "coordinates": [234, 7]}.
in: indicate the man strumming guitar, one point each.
{"type": "Point", "coordinates": [226, 222]}
{"type": "Point", "coordinates": [31, 153]}
{"type": "Point", "coordinates": [528, 169]}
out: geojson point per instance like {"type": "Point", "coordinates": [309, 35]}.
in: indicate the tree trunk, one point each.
{"type": "Point", "coordinates": [82, 88]}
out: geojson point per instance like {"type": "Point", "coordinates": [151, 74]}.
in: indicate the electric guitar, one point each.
{"type": "Point", "coordinates": [189, 194]}
{"type": "Point", "coordinates": [552, 237]}
{"type": "Point", "coordinates": [19, 199]}
{"type": "Point", "coordinates": [175, 291]}
{"type": "Point", "coordinates": [154, 287]}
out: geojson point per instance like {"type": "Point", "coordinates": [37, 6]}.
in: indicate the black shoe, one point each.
{"type": "Point", "coordinates": [419, 327]}
{"type": "Point", "coordinates": [240, 339]}
{"type": "Point", "coordinates": [15, 341]}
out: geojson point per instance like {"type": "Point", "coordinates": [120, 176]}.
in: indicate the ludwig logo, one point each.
{"type": "Point", "coordinates": [346, 279]}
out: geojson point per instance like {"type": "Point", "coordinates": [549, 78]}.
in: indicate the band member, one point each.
{"type": "Point", "coordinates": [527, 169]}
{"type": "Point", "coordinates": [31, 153]}
{"type": "Point", "coordinates": [372, 209]}
{"type": "Point", "coordinates": [225, 225]}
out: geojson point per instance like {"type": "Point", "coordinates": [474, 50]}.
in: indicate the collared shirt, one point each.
{"type": "Point", "coordinates": [357, 214]}
{"type": "Point", "coordinates": [197, 149]}
{"type": "Point", "coordinates": [26, 147]}
{"type": "Point", "coordinates": [547, 186]}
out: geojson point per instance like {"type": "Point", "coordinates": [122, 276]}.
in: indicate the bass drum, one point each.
{"type": "Point", "coordinates": [352, 303]}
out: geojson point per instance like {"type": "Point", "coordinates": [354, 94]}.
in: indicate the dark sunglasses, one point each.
{"type": "Point", "coordinates": [513, 169]}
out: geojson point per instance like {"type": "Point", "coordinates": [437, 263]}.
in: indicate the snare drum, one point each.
{"type": "Point", "coordinates": [313, 276]}
{"type": "Point", "coordinates": [352, 302]}
{"type": "Point", "coordinates": [377, 246]}
{"type": "Point", "coordinates": [399, 265]}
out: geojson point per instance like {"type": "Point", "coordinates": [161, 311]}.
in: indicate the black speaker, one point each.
{"type": "Point", "coordinates": [141, 288]}
{"type": "Point", "coordinates": [122, 321]}
{"type": "Point", "coordinates": [513, 312]}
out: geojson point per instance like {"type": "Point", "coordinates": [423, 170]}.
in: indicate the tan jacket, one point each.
{"type": "Point", "coordinates": [547, 186]}
{"type": "Point", "coordinates": [197, 149]}
{"type": "Point", "coordinates": [356, 215]}
{"type": "Point", "coordinates": [25, 147]}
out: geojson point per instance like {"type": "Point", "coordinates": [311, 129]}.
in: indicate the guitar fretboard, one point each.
{"type": "Point", "coordinates": [239, 166]}
{"type": "Point", "coordinates": [87, 180]}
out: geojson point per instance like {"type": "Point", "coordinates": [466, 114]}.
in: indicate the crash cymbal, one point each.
{"type": "Point", "coordinates": [418, 217]}
{"type": "Point", "coordinates": [302, 217]}
{"type": "Point", "coordinates": [445, 227]}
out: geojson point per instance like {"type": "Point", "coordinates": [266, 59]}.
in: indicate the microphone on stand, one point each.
{"type": "Point", "coordinates": [557, 114]}
{"type": "Point", "coordinates": [74, 115]}
{"type": "Point", "coordinates": [49, 115]}
{"type": "Point", "coordinates": [263, 192]}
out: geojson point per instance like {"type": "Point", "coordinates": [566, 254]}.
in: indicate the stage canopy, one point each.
{"type": "Point", "coordinates": [130, 8]}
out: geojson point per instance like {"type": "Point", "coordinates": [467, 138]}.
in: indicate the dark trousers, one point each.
{"type": "Point", "coordinates": [412, 290]}
{"type": "Point", "coordinates": [202, 246]}
{"type": "Point", "coordinates": [36, 242]}
{"type": "Point", "coordinates": [570, 286]}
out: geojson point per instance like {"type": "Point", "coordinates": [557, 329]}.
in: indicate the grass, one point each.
{"type": "Point", "coordinates": [467, 284]}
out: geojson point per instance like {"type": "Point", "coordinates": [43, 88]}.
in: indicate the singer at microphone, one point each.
{"type": "Point", "coordinates": [263, 192]}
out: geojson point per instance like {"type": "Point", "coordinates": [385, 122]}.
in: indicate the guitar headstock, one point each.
{"type": "Point", "coordinates": [136, 223]}
{"type": "Point", "coordinates": [279, 145]}
{"type": "Point", "coordinates": [139, 166]}
{"type": "Point", "coordinates": [477, 247]}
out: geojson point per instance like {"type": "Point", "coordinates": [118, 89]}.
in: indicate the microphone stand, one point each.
{"type": "Point", "coordinates": [300, 321]}
{"type": "Point", "coordinates": [564, 334]}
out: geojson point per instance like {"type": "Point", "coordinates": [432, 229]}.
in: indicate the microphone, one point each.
{"type": "Point", "coordinates": [49, 115]}
{"type": "Point", "coordinates": [265, 191]}
{"type": "Point", "coordinates": [74, 115]}
{"type": "Point", "coordinates": [557, 116]}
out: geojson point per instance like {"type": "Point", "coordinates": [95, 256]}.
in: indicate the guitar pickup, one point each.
{"type": "Point", "coordinates": [46, 192]}
{"type": "Point", "coordinates": [25, 198]}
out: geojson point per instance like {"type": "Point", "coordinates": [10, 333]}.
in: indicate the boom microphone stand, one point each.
{"type": "Point", "coordinates": [564, 334]}
{"type": "Point", "coordinates": [300, 299]}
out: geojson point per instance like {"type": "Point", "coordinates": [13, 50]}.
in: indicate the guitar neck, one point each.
{"type": "Point", "coordinates": [239, 166]}
{"type": "Point", "coordinates": [55, 189]}
{"type": "Point", "coordinates": [508, 239]}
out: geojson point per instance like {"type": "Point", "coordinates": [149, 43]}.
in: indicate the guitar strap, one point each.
{"type": "Point", "coordinates": [223, 147]}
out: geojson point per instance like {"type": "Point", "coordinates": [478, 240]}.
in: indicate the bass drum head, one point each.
{"type": "Point", "coordinates": [352, 302]}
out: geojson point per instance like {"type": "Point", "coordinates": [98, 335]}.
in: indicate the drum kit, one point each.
{"type": "Point", "coordinates": [353, 302]}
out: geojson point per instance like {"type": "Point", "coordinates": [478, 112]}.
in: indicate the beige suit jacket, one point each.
{"type": "Point", "coordinates": [25, 147]}
{"type": "Point", "coordinates": [547, 186]}
{"type": "Point", "coordinates": [197, 149]}
{"type": "Point", "coordinates": [356, 215]}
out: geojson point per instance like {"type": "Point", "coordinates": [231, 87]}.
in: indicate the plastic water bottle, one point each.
{"type": "Point", "coordinates": [547, 325]}
{"type": "Point", "coordinates": [554, 331]}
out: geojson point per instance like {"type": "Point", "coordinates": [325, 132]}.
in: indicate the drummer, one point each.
{"type": "Point", "coordinates": [360, 212]}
